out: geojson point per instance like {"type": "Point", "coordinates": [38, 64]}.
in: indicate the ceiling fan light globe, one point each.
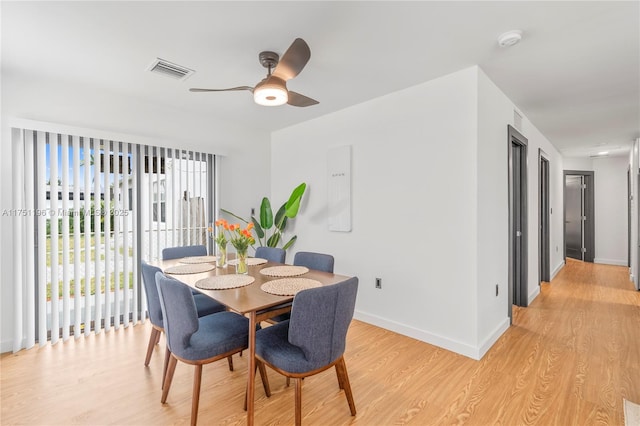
{"type": "Point", "coordinates": [270, 95]}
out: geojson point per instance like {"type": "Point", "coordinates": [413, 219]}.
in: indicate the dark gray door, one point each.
{"type": "Point", "coordinates": [579, 212]}
{"type": "Point", "coordinates": [518, 283]}
{"type": "Point", "coordinates": [544, 219]}
{"type": "Point", "coordinates": [573, 218]}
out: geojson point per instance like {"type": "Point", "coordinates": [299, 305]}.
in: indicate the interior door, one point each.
{"type": "Point", "coordinates": [573, 220]}
{"type": "Point", "coordinates": [517, 221]}
{"type": "Point", "coordinates": [518, 254]}
{"type": "Point", "coordinates": [544, 219]}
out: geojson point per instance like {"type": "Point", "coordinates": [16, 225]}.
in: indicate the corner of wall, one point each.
{"type": "Point", "coordinates": [461, 348]}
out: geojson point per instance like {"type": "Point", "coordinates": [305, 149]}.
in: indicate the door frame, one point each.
{"type": "Point", "coordinates": [544, 213]}
{"type": "Point", "coordinates": [521, 291]}
{"type": "Point", "coordinates": [589, 212]}
{"type": "Point", "coordinates": [629, 198]}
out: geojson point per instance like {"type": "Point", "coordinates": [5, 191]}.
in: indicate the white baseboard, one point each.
{"type": "Point", "coordinates": [616, 262]}
{"type": "Point", "coordinates": [533, 295]}
{"type": "Point", "coordinates": [493, 338]}
{"type": "Point", "coordinates": [470, 351]}
{"type": "Point", "coordinates": [557, 269]}
{"type": "Point", "coordinates": [6, 346]}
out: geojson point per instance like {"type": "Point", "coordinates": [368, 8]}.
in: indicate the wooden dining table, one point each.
{"type": "Point", "coordinates": [251, 301]}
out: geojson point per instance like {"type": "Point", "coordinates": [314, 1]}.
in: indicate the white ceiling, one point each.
{"type": "Point", "coordinates": [576, 74]}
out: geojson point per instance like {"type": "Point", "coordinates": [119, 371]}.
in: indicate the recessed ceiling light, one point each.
{"type": "Point", "coordinates": [603, 152]}
{"type": "Point", "coordinates": [509, 38]}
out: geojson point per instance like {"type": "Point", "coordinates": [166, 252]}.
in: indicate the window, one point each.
{"type": "Point", "coordinates": [96, 208]}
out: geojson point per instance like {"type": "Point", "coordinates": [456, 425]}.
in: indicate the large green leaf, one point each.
{"type": "Point", "coordinates": [273, 240]}
{"type": "Point", "coordinates": [293, 204]}
{"type": "Point", "coordinates": [234, 215]}
{"type": "Point", "coordinates": [281, 219]}
{"type": "Point", "coordinates": [290, 242]}
{"type": "Point", "coordinates": [257, 228]}
{"type": "Point", "coordinates": [266, 215]}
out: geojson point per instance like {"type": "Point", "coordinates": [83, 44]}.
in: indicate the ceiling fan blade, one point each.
{"type": "Point", "coordinates": [293, 60]}
{"type": "Point", "coordinates": [296, 99]}
{"type": "Point", "coordinates": [231, 89]}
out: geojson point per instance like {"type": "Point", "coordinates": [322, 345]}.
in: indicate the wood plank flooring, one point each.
{"type": "Point", "coordinates": [569, 359]}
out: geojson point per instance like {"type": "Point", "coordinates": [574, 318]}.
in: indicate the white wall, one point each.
{"type": "Point", "coordinates": [537, 141]}
{"type": "Point", "coordinates": [495, 112]}
{"type": "Point", "coordinates": [413, 205]}
{"type": "Point", "coordinates": [246, 164]}
{"type": "Point", "coordinates": [610, 200]}
{"type": "Point", "coordinates": [578, 163]}
{"type": "Point", "coordinates": [610, 188]}
{"type": "Point", "coordinates": [429, 203]}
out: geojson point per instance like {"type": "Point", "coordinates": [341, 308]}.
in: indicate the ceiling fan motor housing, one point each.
{"type": "Point", "coordinates": [269, 59]}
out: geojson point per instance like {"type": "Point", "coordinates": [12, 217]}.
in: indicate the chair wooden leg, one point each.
{"type": "Point", "coordinates": [230, 359]}
{"type": "Point", "coordinates": [155, 335]}
{"type": "Point", "coordinates": [167, 355]}
{"type": "Point", "coordinates": [340, 384]}
{"type": "Point", "coordinates": [173, 361]}
{"type": "Point", "coordinates": [263, 376]}
{"type": "Point", "coordinates": [265, 382]}
{"type": "Point", "coordinates": [298, 401]}
{"type": "Point", "coordinates": [197, 380]}
{"type": "Point", "coordinates": [341, 369]}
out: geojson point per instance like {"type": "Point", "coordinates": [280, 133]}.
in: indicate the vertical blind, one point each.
{"type": "Point", "coordinates": [87, 211]}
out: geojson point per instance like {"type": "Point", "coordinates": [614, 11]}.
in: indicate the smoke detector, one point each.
{"type": "Point", "coordinates": [510, 38]}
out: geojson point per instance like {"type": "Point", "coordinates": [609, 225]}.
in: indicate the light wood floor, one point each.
{"type": "Point", "coordinates": [569, 359]}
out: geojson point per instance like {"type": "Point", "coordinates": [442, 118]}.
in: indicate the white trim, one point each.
{"type": "Point", "coordinates": [616, 262]}
{"type": "Point", "coordinates": [556, 270]}
{"type": "Point", "coordinates": [461, 348]}
{"type": "Point", "coordinates": [493, 337]}
{"type": "Point", "coordinates": [6, 345]}
{"type": "Point", "coordinates": [63, 129]}
{"type": "Point", "coordinates": [533, 295]}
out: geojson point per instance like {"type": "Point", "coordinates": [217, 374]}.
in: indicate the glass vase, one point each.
{"type": "Point", "coordinates": [241, 265]}
{"type": "Point", "coordinates": [222, 256]}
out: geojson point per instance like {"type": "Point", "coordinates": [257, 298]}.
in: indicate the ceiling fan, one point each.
{"type": "Point", "coordinates": [272, 90]}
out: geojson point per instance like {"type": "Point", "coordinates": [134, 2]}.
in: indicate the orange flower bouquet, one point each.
{"type": "Point", "coordinates": [241, 239]}
{"type": "Point", "coordinates": [220, 237]}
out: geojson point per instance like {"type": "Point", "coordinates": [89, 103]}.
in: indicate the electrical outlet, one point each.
{"type": "Point", "coordinates": [497, 290]}
{"type": "Point", "coordinates": [253, 211]}
{"type": "Point", "coordinates": [378, 282]}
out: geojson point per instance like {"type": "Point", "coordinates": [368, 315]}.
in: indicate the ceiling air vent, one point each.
{"type": "Point", "coordinates": [160, 66]}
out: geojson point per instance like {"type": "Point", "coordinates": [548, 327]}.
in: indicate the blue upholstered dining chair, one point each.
{"type": "Point", "coordinates": [318, 261]}
{"type": "Point", "coordinates": [314, 339]}
{"type": "Point", "coordinates": [184, 251]}
{"type": "Point", "coordinates": [198, 340]}
{"type": "Point", "coordinates": [170, 253]}
{"type": "Point", "coordinates": [204, 306]}
{"type": "Point", "coordinates": [272, 254]}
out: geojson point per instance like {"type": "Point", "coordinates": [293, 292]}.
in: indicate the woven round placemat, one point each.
{"type": "Point", "coordinates": [198, 259]}
{"type": "Point", "coordinates": [251, 261]}
{"type": "Point", "coordinates": [223, 282]}
{"type": "Point", "coordinates": [288, 286]}
{"type": "Point", "coordinates": [195, 268]}
{"type": "Point", "coordinates": [284, 271]}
